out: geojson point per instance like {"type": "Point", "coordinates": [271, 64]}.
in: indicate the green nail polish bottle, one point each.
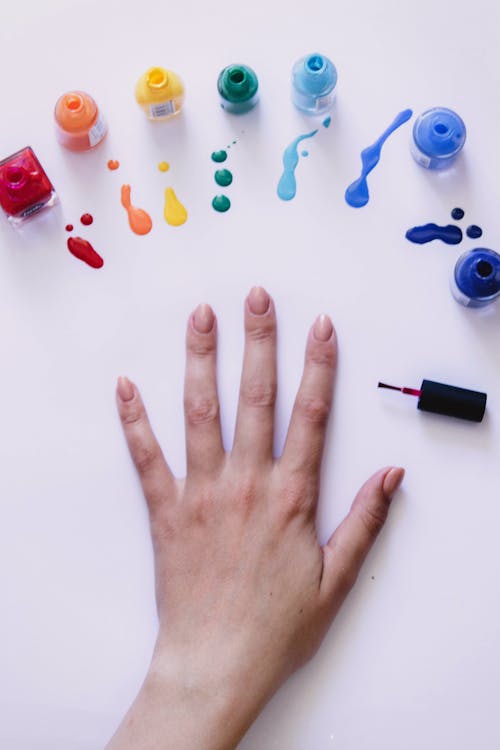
{"type": "Point", "coordinates": [238, 89]}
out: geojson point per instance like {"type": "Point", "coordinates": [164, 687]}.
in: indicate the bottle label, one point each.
{"type": "Point", "coordinates": [419, 156]}
{"type": "Point", "coordinates": [97, 132]}
{"type": "Point", "coordinates": [162, 110]}
{"type": "Point", "coordinates": [32, 210]}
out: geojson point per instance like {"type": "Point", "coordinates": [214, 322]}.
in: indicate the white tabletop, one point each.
{"type": "Point", "coordinates": [412, 661]}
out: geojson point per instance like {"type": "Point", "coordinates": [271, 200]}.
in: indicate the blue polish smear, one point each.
{"type": "Point", "coordinates": [474, 231]}
{"type": "Point", "coordinates": [327, 121]}
{"type": "Point", "coordinates": [357, 194]}
{"type": "Point", "coordinates": [287, 186]}
{"type": "Point", "coordinates": [450, 234]}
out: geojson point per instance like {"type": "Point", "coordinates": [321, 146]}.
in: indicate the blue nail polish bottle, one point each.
{"type": "Point", "coordinates": [476, 278]}
{"type": "Point", "coordinates": [438, 136]}
{"type": "Point", "coordinates": [314, 84]}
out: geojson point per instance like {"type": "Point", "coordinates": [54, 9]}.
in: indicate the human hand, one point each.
{"type": "Point", "coordinates": [245, 592]}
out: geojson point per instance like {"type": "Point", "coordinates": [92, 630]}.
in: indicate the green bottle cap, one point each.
{"type": "Point", "coordinates": [237, 83]}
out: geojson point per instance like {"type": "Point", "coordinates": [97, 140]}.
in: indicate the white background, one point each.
{"type": "Point", "coordinates": [412, 661]}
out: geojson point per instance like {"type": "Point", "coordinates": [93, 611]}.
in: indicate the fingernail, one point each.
{"type": "Point", "coordinates": [323, 328]}
{"type": "Point", "coordinates": [125, 388]}
{"type": "Point", "coordinates": [203, 319]}
{"type": "Point", "coordinates": [258, 300]}
{"type": "Point", "coordinates": [392, 480]}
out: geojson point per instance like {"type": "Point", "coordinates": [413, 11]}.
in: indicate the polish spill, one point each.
{"type": "Point", "coordinates": [174, 212]}
{"type": "Point", "coordinates": [223, 177]}
{"type": "Point", "coordinates": [304, 153]}
{"type": "Point", "coordinates": [357, 194]}
{"type": "Point", "coordinates": [164, 166]}
{"type": "Point", "coordinates": [69, 227]}
{"type": "Point", "coordinates": [219, 156]}
{"type": "Point", "coordinates": [86, 219]}
{"type": "Point", "coordinates": [113, 164]}
{"type": "Point", "coordinates": [327, 121]}
{"type": "Point", "coordinates": [287, 186]}
{"type": "Point", "coordinates": [474, 232]}
{"type": "Point", "coordinates": [449, 234]}
{"type": "Point", "coordinates": [221, 203]}
{"type": "Point", "coordinates": [83, 250]}
{"type": "Point", "coordinates": [457, 213]}
{"type": "Point", "coordinates": [139, 221]}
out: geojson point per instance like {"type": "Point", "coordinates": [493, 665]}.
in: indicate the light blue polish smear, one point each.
{"type": "Point", "coordinates": [327, 121]}
{"type": "Point", "coordinates": [304, 153]}
{"type": "Point", "coordinates": [287, 186]}
{"type": "Point", "coordinates": [357, 194]}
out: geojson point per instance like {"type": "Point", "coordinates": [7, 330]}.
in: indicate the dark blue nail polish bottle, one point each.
{"type": "Point", "coordinates": [476, 278]}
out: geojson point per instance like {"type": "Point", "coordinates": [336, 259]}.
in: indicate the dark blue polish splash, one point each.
{"type": "Point", "coordinates": [474, 231]}
{"type": "Point", "coordinates": [427, 232]}
{"type": "Point", "coordinates": [357, 194]}
{"type": "Point", "coordinates": [457, 214]}
{"type": "Point", "coordinates": [476, 278]}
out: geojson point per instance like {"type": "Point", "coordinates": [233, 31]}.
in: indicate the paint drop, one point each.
{"type": "Point", "coordinates": [164, 166]}
{"type": "Point", "coordinates": [83, 250]}
{"type": "Point", "coordinates": [234, 142]}
{"type": "Point", "coordinates": [86, 219]}
{"type": "Point", "coordinates": [69, 227]}
{"type": "Point", "coordinates": [221, 203]}
{"type": "Point", "coordinates": [113, 164]}
{"type": "Point", "coordinates": [174, 212]}
{"type": "Point", "coordinates": [327, 121]}
{"type": "Point", "coordinates": [304, 153]}
{"type": "Point", "coordinates": [223, 177]}
{"type": "Point", "coordinates": [474, 231]}
{"type": "Point", "coordinates": [287, 186]}
{"type": "Point", "coordinates": [457, 214]}
{"type": "Point", "coordinates": [139, 221]}
{"type": "Point", "coordinates": [357, 194]}
{"type": "Point", "coordinates": [219, 156]}
{"type": "Point", "coordinates": [450, 234]}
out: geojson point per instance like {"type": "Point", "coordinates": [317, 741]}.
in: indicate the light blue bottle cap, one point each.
{"type": "Point", "coordinates": [315, 75]}
{"type": "Point", "coordinates": [439, 133]}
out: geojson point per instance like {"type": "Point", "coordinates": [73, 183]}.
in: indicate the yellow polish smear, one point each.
{"type": "Point", "coordinates": [164, 166]}
{"type": "Point", "coordinates": [139, 220]}
{"type": "Point", "coordinates": [174, 212]}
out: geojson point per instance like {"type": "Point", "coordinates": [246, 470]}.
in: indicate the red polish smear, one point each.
{"type": "Point", "coordinates": [83, 250]}
{"type": "Point", "coordinates": [87, 219]}
{"type": "Point", "coordinates": [69, 227]}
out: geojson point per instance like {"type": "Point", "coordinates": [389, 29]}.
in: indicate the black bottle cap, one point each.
{"type": "Point", "coordinates": [452, 401]}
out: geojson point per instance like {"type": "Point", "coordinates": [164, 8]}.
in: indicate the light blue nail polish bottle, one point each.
{"type": "Point", "coordinates": [314, 84]}
{"type": "Point", "coordinates": [438, 136]}
{"type": "Point", "coordinates": [476, 278]}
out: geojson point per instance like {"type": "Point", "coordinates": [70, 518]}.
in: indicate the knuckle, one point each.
{"type": "Point", "coordinates": [373, 518]}
{"type": "Point", "coordinates": [299, 495]}
{"type": "Point", "coordinates": [323, 356]}
{"type": "Point", "coordinates": [146, 457]}
{"type": "Point", "coordinates": [313, 409]}
{"type": "Point", "coordinates": [201, 410]}
{"type": "Point", "coordinates": [261, 331]}
{"type": "Point", "coordinates": [201, 348]}
{"type": "Point", "coordinates": [256, 393]}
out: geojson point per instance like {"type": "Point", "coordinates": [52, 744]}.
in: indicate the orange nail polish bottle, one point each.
{"type": "Point", "coordinates": [79, 124]}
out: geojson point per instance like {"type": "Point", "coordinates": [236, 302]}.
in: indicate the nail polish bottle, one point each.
{"type": "Point", "coordinates": [438, 136]}
{"type": "Point", "coordinates": [25, 189]}
{"type": "Point", "coordinates": [79, 123]}
{"type": "Point", "coordinates": [160, 93]}
{"type": "Point", "coordinates": [238, 89]}
{"type": "Point", "coordinates": [476, 278]}
{"type": "Point", "coordinates": [314, 84]}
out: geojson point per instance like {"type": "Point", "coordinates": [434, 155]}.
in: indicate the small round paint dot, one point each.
{"type": "Point", "coordinates": [86, 219]}
{"type": "Point", "coordinates": [69, 227]}
{"type": "Point", "coordinates": [164, 166]}
{"type": "Point", "coordinates": [113, 164]}
{"type": "Point", "coordinates": [221, 203]}
{"type": "Point", "coordinates": [474, 231]}
{"type": "Point", "coordinates": [234, 142]}
{"type": "Point", "coordinates": [223, 177]}
{"type": "Point", "coordinates": [457, 214]}
{"type": "Point", "coordinates": [219, 156]}
{"type": "Point", "coordinates": [305, 153]}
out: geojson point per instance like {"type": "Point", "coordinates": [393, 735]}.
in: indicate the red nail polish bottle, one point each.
{"type": "Point", "coordinates": [25, 189]}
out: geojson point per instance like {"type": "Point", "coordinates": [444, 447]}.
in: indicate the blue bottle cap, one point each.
{"type": "Point", "coordinates": [315, 75]}
{"type": "Point", "coordinates": [439, 133]}
{"type": "Point", "coordinates": [477, 276]}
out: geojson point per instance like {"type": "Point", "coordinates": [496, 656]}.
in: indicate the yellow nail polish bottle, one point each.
{"type": "Point", "coordinates": [160, 93]}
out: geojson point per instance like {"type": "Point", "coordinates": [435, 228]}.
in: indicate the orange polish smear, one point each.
{"type": "Point", "coordinates": [113, 164]}
{"type": "Point", "coordinates": [140, 222]}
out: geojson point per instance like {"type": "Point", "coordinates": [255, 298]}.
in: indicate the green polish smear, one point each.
{"type": "Point", "coordinates": [221, 203]}
{"type": "Point", "coordinates": [223, 177]}
{"type": "Point", "coordinates": [219, 156]}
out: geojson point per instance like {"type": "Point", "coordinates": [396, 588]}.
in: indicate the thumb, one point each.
{"type": "Point", "coordinates": [349, 545]}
